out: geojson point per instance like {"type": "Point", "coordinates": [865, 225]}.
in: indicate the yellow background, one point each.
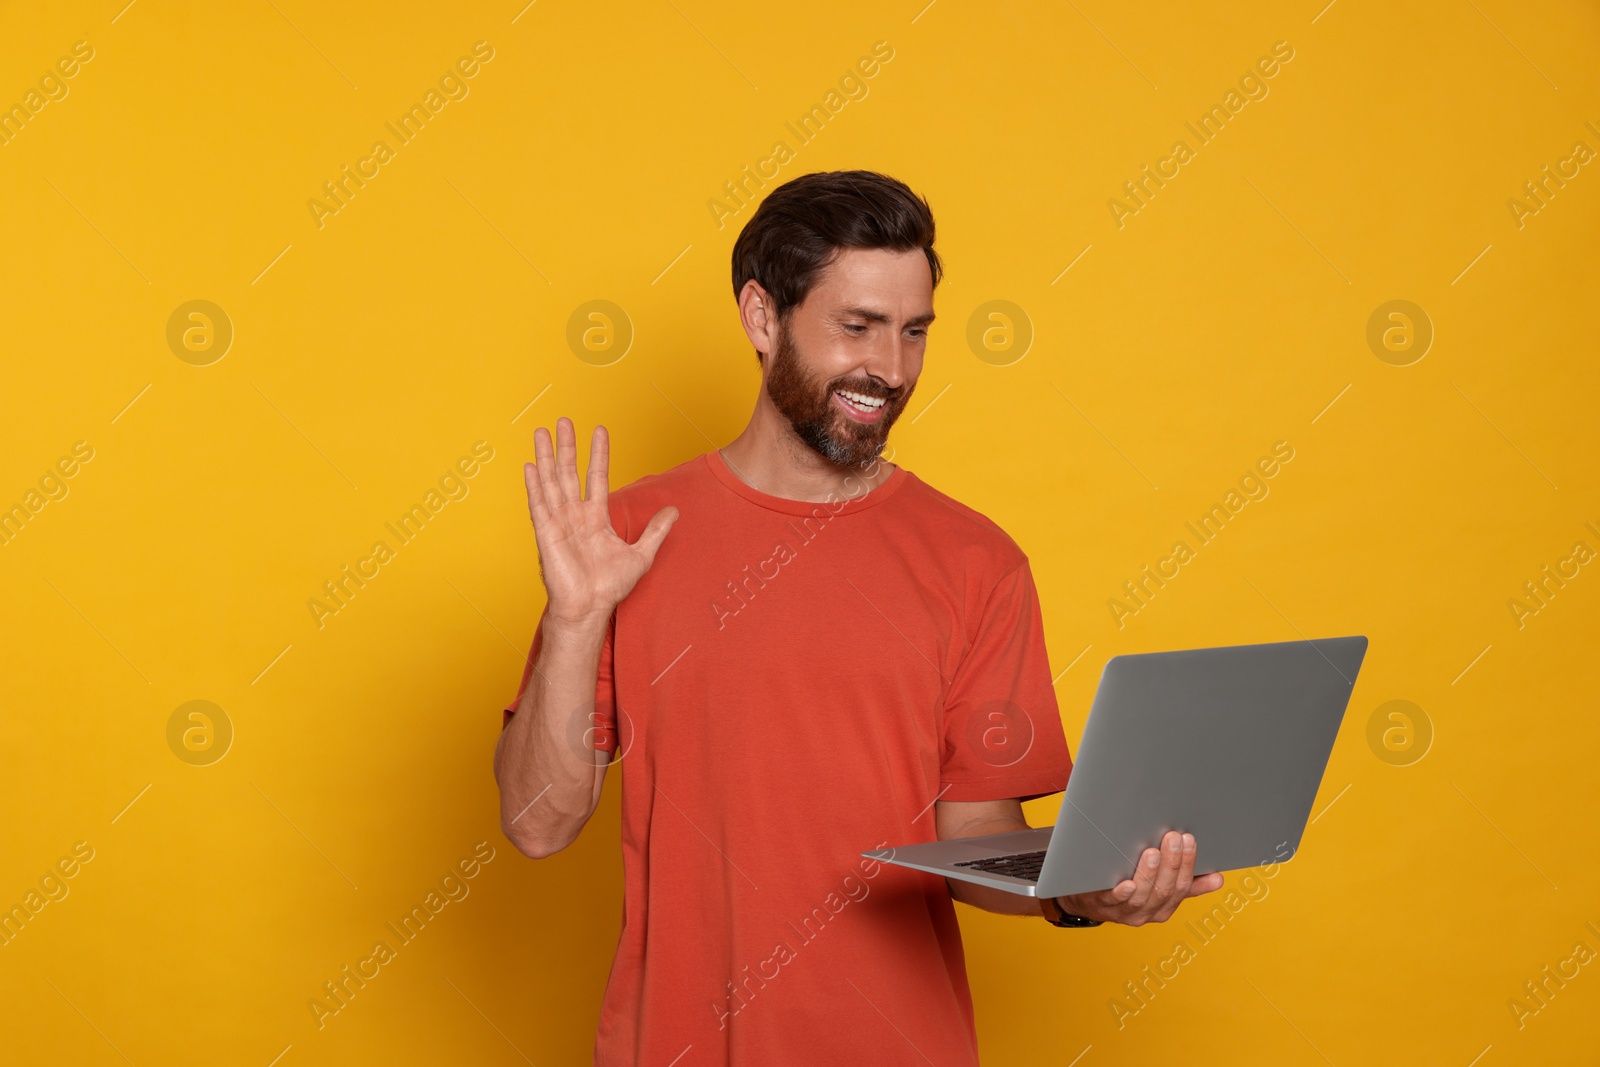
{"type": "Point", "coordinates": [369, 354]}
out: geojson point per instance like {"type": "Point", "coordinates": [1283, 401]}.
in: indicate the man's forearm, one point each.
{"type": "Point", "coordinates": [987, 897]}
{"type": "Point", "coordinates": [996, 900]}
{"type": "Point", "coordinates": [549, 776]}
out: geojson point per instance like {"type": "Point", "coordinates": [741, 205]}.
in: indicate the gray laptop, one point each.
{"type": "Point", "coordinates": [1228, 744]}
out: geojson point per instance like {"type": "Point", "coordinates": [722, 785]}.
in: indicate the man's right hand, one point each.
{"type": "Point", "coordinates": [546, 795]}
{"type": "Point", "coordinates": [587, 568]}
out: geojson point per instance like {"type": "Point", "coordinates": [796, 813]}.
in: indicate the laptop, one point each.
{"type": "Point", "coordinates": [1228, 744]}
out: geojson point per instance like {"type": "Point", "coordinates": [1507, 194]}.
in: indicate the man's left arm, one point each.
{"type": "Point", "coordinates": [1001, 699]}
{"type": "Point", "coordinates": [1164, 879]}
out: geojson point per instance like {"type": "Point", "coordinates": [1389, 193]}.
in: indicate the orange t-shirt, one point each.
{"type": "Point", "coordinates": [790, 684]}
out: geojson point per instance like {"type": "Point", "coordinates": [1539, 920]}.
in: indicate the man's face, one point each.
{"type": "Point", "coordinates": [847, 360]}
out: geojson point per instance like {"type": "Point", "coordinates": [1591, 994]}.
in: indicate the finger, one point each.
{"type": "Point", "coordinates": [545, 459]}
{"type": "Point", "coordinates": [537, 511]}
{"type": "Point", "coordinates": [1112, 899]}
{"type": "Point", "coordinates": [599, 466]}
{"type": "Point", "coordinates": [567, 458]}
{"type": "Point", "coordinates": [1144, 879]}
{"type": "Point", "coordinates": [1185, 876]}
{"type": "Point", "coordinates": [1185, 870]}
{"type": "Point", "coordinates": [1206, 883]}
{"type": "Point", "coordinates": [1167, 870]}
{"type": "Point", "coordinates": [655, 532]}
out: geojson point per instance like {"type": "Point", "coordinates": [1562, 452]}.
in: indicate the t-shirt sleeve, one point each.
{"type": "Point", "coordinates": [1002, 727]}
{"type": "Point", "coordinates": [601, 731]}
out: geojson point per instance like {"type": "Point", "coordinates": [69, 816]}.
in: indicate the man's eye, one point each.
{"type": "Point", "coordinates": [855, 327]}
{"type": "Point", "coordinates": [918, 333]}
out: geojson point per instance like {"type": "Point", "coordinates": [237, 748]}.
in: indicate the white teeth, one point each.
{"type": "Point", "coordinates": [860, 400]}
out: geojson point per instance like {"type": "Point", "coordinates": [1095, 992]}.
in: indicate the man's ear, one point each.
{"type": "Point", "coordinates": [758, 316]}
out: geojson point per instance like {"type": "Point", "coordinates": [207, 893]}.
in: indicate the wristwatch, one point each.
{"type": "Point", "coordinates": [1066, 918]}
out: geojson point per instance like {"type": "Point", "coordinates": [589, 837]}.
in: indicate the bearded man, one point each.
{"type": "Point", "coordinates": [827, 655]}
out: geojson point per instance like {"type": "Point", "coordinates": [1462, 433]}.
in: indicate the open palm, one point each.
{"type": "Point", "coordinates": [587, 568]}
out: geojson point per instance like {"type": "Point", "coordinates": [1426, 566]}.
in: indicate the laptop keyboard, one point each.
{"type": "Point", "coordinates": [1023, 865]}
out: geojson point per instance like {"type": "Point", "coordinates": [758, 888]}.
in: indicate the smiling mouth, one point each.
{"type": "Point", "coordinates": [860, 403]}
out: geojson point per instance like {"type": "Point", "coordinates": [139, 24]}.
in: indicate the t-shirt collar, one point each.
{"type": "Point", "coordinates": [846, 502]}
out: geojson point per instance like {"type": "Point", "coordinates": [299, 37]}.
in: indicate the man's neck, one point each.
{"type": "Point", "coordinates": [769, 457]}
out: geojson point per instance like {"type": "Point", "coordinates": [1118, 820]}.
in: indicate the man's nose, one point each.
{"type": "Point", "coordinates": [888, 362]}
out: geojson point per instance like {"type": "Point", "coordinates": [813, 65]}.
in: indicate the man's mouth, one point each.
{"type": "Point", "coordinates": [861, 405]}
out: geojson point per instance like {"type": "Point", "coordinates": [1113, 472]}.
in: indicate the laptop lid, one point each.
{"type": "Point", "coordinates": [1229, 744]}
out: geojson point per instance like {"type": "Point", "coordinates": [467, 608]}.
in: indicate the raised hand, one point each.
{"type": "Point", "coordinates": [587, 568]}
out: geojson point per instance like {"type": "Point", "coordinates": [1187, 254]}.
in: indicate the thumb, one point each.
{"type": "Point", "coordinates": [655, 532]}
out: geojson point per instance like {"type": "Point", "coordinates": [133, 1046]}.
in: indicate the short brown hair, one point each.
{"type": "Point", "coordinates": [803, 224]}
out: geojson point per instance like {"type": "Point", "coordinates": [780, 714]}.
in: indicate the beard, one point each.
{"type": "Point", "coordinates": [807, 402]}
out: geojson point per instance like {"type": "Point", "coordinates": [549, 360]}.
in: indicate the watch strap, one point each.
{"type": "Point", "coordinates": [1066, 919]}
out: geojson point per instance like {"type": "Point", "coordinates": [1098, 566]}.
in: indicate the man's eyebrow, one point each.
{"type": "Point", "coordinates": [878, 316]}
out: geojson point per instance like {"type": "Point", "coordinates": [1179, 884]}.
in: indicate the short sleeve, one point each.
{"type": "Point", "coordinates": [1002, 727]}
{"type": "Point", "coordinates": [602, 730]}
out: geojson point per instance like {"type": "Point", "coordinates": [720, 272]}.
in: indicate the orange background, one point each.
{"type": "Point", "coordinates": [374, 346]}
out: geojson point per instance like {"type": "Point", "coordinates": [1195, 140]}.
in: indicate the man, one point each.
{"type": "Point", "coordinates": [827, 655]}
